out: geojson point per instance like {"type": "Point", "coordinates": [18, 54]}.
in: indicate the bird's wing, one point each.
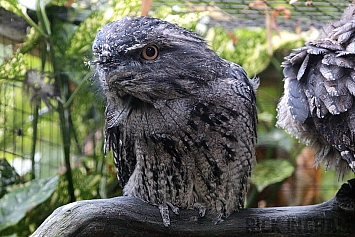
{"type": "Point", "coordinates": [244, 90]}
{"type": "Point", "coordinates": [320, 88]}
{"type": "Point", "coordinates": [226, 125]}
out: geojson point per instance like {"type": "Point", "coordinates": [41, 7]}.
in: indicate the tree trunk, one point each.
{"type": "Point", "coordinates": [128, 216]}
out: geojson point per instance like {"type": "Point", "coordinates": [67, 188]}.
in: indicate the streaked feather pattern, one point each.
{"type": "Point", "coordinates": [181, 121]}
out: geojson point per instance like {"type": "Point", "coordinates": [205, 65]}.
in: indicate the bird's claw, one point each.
{"type": "Point", "coordinates": [175, 209]}
{"type": "Point", "coordinates": [201, 209]}
{"type": "Point", "coordinates": [218, 220]}
{"type": "Point", "coordinates": [164, 212]}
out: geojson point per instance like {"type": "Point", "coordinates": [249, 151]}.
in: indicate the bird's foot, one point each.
{"type": "Point", "coordinates": [201, 209]}
{"type": "Point", "coordinates": [175, 209]}
{"type": "Point", "coordinates": [218, 220]}
{"type": "Point", "coordinates": [202, 212]}
{"type": "Point", "coordinates": [164, 212]}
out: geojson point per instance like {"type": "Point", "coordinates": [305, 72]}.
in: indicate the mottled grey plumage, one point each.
{"type": "Point", "coordinates": [179, 119]}
{"type": "Point", "coordinates": [318, 103]}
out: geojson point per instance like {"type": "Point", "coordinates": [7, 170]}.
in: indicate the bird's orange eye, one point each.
{"type": "Point", "coordinates": [150, 52]}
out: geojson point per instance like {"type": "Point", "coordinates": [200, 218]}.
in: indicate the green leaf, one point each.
{"type": "Point", "coordinates": [22, 198]}
{"type": "Point", "coordinates": [12, 5]}
{"type": "Point", "coordinates": [268, 172]}
{"type": "Point", "coordinates": [31, 41]}
{"type": "Point", "coordinates": [183, 17]}
{"type": "Point", "coordinates": [15, 68]}
{"type": "Point", "coordinates": [276, 138]}
{"type": "Point", "coordinates": [248, 46]}
{"type": "Point", "coordinates": [85, 34]}
{"type": "Point", "coordinates": [20, 10]}
{"type": "Point", "coordinates": [13, 235]}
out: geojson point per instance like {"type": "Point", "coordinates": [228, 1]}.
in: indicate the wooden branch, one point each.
{"type": "Point", "coordinates": [128, 216]}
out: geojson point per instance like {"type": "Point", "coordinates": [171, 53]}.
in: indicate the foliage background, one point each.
{"type": "Point", "coordinates": [65, 107]}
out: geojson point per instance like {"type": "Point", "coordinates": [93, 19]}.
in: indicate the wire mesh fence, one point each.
{"type": "Point", "coordinates": [251, 13]}
{"type": "Point", "coordinates": [29, 144]}
{"type": "Point", "coordinates": [41, 153]}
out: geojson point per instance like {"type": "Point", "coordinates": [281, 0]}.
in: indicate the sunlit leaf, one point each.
{"type": "Point", "coordinates": [248, 46]}
{"type": "Point", "coordinates": [183, 18]}
{"type": "Point", "coordinates": [85, 34]}
{"type": "Point", "coordinates": [15, 204]}
{"type": "Point", "coordinates": [14, 68]}
{"type": "Point", "coordinates": [60, 2]}
{"type": "Point", "coordinates": [12, 6]}
{"type": "Point", "coordinates": [31, 41]}
{"type": "Point", "coordinates": [269, 171]}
